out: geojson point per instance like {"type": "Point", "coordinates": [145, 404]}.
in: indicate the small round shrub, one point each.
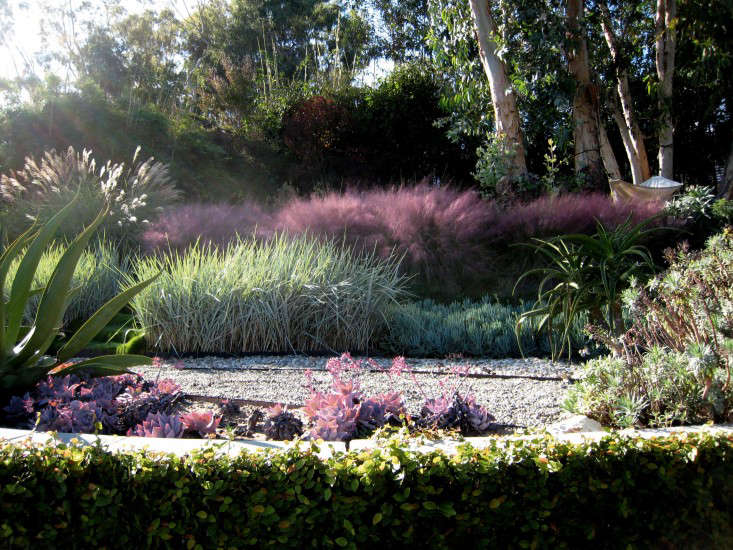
{"type": "Point", "coordinates": [666, 388]}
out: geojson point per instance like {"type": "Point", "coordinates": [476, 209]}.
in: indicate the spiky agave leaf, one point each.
{"type": "Point", "coordinates": [23, 363]}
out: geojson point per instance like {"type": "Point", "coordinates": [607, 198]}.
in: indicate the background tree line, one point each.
{"type": "Point", "coordinates": [521, 96]}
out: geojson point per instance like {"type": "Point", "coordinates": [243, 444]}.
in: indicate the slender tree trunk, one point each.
{"type": "Point", "coordinates": [637, 176]}
{"type": "Point", "coordinates": [725, 189]}
{"type": "Point", "coordinates": [609, 157]}
{"type": "Point", "coordinates": [666, 45]}
{"type": "Point", "coordinates": [506, 115]}
{"type": "Point", "coordinates": [586, 133]}
{"type": "Point", "coordinates": [627, 123]}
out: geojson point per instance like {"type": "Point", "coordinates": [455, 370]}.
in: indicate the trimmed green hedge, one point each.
{"type": "Point", "coordinates": [675, 492]}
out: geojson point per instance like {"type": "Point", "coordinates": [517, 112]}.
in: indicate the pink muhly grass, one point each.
{"type": "Point", "coordinates": [570, 213]}
{"type": "Point", "coordinates": [440, 231]}
{"type": "Point", "coordinates": [217, 224]}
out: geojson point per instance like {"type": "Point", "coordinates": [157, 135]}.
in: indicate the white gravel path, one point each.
{"type": "Point", "coordinates": [520, 392]}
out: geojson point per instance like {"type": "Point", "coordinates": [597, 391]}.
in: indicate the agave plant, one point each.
{"type": "Point", "coordinates": [23, 359]}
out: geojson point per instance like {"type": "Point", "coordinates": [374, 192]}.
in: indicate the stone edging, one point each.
{"type": "Point", "coordinates": [179, 447]}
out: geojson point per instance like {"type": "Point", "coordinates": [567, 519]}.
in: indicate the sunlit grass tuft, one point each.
{"type": "Point", "coordinates": [283, 295]}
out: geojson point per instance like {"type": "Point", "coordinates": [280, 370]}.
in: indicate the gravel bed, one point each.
{"type": "Point", "coordinates": [516, 398]}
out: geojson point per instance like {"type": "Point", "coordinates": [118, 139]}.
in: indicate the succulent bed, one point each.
{"type": "Point", "coordinates": [130, 405]}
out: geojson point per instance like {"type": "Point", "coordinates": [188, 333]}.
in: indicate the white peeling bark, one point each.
{"type": "Point", "coordinates": [665, 46]}
{"type": "Point", "coordinates": [609, 157]}
{"type": "Point", "coordinates": [628, 125]}
{"type": "Point", "coordinates": [503, 98]}
{"type": "Point", "coordinates": [637, 175]}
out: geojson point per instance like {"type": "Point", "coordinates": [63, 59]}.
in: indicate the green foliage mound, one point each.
{"type": "Point", "coordinates": [666, 388]}
{"type": "Point", "coordinates": [673, 364]}
{"type": "Point", "coordinates": [480, 328]}
{"type": "Point", "coordinates": [675, 492]}
{"type": "Point", "coordinates": [282, 295]}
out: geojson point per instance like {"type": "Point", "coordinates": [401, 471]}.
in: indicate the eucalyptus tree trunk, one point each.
{"type": "Point", "coordinates": [666, 45]}
{"type": "Point", "coordinates": [506, 114]}
{"type": "Point", "coordinates": [625, 119]}
{"type": "Point", "coordinates": [609, 157]}
{"type": "Point", "coordinates": [586, 134]}
{"type": "Point", "coordinates": [725, 188]}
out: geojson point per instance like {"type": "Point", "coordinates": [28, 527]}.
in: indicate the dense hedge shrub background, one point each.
{"type": "Point", "coordinates": [675, 492]}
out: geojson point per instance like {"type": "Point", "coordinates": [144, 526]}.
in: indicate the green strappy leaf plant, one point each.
{"type": "Point", "coordinates": [587, 274]}
{"type": "Point", "coordinates": [23, 359]}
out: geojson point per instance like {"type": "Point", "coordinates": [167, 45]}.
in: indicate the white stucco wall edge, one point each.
{"type": "Point", "coordinates": [182, 447]}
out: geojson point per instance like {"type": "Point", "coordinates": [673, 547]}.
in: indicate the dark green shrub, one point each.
{"type": "Point", "coordinates": [384, 133]}
{"type": "Point", "coordinates": [675, 492]}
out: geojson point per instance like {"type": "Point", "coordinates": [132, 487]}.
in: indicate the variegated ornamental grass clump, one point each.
{"type": "Point", "coordinates": [289, 293]}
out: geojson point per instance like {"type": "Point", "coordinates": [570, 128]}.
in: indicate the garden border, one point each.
{"type": "Point", "coordinates": [181, 447]}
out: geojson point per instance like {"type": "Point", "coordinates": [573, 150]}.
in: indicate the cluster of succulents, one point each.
{"type": "Point", "coordinates": [81, 404]}
{"type": "Point", "coordinates": [458, 412]}
{"type": "Point", "coordinates": [158, 425]}
{"type": "Point", "coordinates": [346, 412]}
{"type": "Point", "coordinates": [281, 424]}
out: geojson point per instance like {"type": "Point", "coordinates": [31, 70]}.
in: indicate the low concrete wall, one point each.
{"type": "Point", "coordinates": [180, 447]}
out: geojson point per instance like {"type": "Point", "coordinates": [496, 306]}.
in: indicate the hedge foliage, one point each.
{"type": "Point", "coordinates": [674, 492]}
